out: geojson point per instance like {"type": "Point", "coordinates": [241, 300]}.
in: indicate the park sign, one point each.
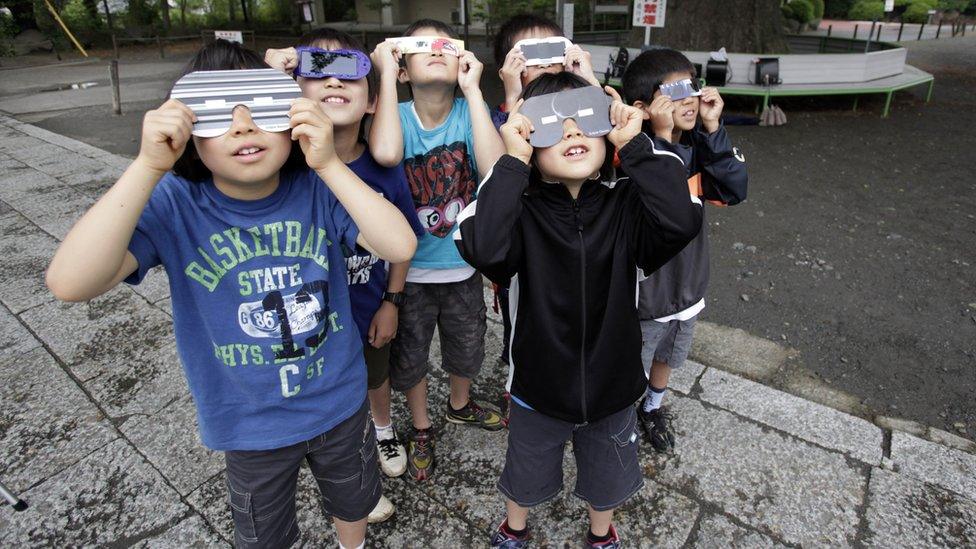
{"type": "Point", "coordinates": [889, 5]}
{"type": "Point", "coordinates": [649, 13]}
{"type": "Point", "coordinates": [230, 36]}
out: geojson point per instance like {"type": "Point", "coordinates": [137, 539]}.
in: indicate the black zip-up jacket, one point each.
{"type": "Point", "coordinates": [573, 265]}
{"type": "Point", "coordinates": [720, 168]}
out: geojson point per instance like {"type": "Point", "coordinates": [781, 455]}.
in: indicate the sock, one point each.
{"type": "Point", "coordinates": [384, 433]}
{"type": "Point", "coordinates": [517, 533]}
{"type": "Point", "coordinates": [453, 409]}
{"type": "Point", "coordinates": [593, 538]}
{"type": "Point", "coordinates": [653, 399]}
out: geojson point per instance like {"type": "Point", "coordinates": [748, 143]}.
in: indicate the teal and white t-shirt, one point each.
{"type": "Point", "coordinates": [443, 178]}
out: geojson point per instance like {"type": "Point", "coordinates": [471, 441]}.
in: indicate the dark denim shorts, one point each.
{"type": "Point", "coordinates": [261, 484]}
{"type": "Point", "coordinates": [607, 470]}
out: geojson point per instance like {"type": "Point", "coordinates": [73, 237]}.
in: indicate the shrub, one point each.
{"type": "Point", "coordinates": [837, 9]}
{"type": "Point", "coordinates": [801, 10]}
{"type": "Point", "coordinates": [866, 10]}
{"type": "Point", "coordinates": [916, 13]}
{"type": "Point", "coordinates": [818, 9]}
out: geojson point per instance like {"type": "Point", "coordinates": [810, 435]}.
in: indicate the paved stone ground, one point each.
{"type": "Point", "coordinates": [97, 430]}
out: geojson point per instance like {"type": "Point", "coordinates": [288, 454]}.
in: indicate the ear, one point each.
{"type": "Point", "coordinates": [643, 108]}
{"type": "Point", "coordinates": [371, 106]}
{"type": "Point", "coordinates": [402, 76]}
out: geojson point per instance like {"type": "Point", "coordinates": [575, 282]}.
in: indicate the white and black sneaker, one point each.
{"type": "Point", "coordinates": [393, 456]}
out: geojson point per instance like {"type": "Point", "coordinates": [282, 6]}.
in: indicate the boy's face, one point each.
{"type": "Point", "coordinates": [535, 71]}
{"type": "Point", "coordinates": [245, 154]}
{"type": "Point", "coordinates": [575, 158]}
{"type": "Point", "coordinates": [435, 67]}
{"type": "Point", "coordinates": [685, 110]}
{"type": "Point", "coordinates": [344, 101]}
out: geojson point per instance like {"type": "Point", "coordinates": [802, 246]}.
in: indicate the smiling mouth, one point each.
{"type": "Point", "coordinates": [248, 151]}
{"type": "Point", "coordinates": [576, 151]}
{"type": "Point", "coordinates": [336, 100]}
{"type": "Point", "coordinates": [689, 113]}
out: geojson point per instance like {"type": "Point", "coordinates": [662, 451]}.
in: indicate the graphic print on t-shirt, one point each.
{"type": "Point", "coordinates": [442, 184]}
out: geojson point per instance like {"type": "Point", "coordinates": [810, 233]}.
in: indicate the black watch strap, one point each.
{"type": "Point", "coordinates": [396, 298]}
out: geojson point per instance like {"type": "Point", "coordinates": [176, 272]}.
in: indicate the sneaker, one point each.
{"type": "Point", "coordinates": [393, 456]}
{"type": "Point", "coordinates": [420, 454]}
{"type": "Point", "coordinates": [472, 414]}
{"type": "Point", "coordinates": [504, 539]}
{"type": "Point", "coordinates": [612, 543]}
{"type": "Point", "coordinates": [384, 509]}
{"type": "Point", "coordinates": [657, 426]}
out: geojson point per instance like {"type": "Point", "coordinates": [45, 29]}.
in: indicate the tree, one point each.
{"type": "Point", "coordinates": [753, 26]}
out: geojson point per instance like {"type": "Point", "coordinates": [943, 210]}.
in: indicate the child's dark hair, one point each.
{"type": "Point", "coordinates": [438, 26]}
{"type": "Point", "coordinates": [345, 41]}
{"type": "Point", "coordinates": [646, 72]}
{"type": "Point", "coordinates": [562, 81]}
{"type": "Point", "coordinates": [517, 24]}
{"type": "Point", "coordinates": [221, 55]}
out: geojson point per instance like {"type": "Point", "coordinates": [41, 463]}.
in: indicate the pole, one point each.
{"type": "Point", "coordinates": [108, 17]}
{"type": "Point", "coordinates": [920, 29]}
{"type": "Point", "coordinates": [867, 44]}
{"type": "Point", "coordinates": [938, 31]}
{"type": "Point", "coordinates": [829, 29]}
{"type": "Point", "coordinates": [115, 46]}
{"type": "Point", "coordinates": [54, 13]}
{"type": "Point", "coordinates": [900, 28]}
{"type": "Point", "coordinates": [647, 36]}
{"type": "Point", "coordinates": [113, 75]}
{"type": "Point", "coordinates": [855, 33]}
{"type": "Point", "coordinates": [159, 44]}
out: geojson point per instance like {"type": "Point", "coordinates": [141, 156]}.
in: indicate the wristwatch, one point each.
{"type": "Point", "coordinates": [396, 298]}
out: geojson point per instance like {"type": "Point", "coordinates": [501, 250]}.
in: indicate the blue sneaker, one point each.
{"type": "Point", "coordinates": [612, 543]}
{"type": "Point", "coordinates": [503, 539]}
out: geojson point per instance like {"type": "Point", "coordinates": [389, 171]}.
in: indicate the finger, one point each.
{"type": "Point", "coordinates": [515, 109]}
{"type": "Point", "coordinates": [302, 130]}
{"type": "Point", "coordinates": [612, 93]}
{"type": "Point", "coordinates": [372, 332]}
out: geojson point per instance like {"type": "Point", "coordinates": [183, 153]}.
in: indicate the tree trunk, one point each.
{"type": "Point", "coordinates": [164, 11]}
{"type": "Point", "coordinates": [231, 4]}
{"type": "Point", "coordinates": [748, 26]}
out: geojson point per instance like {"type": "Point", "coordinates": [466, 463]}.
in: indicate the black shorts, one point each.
{"type": "Point", "coordinates": [377, 365]}
{"type": "Point", "coordinates": [606, 458]}
{"type": "Point", "coordinates": [261, 484]}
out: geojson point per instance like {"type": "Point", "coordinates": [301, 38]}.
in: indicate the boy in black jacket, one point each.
{"type": "Point", "coordinates": [571, 240]}
{"type": "Point", "coordinates": [671, 298]}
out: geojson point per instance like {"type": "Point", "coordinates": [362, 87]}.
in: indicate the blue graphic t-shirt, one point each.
{"type": "Point", "coordinates": [443, 178]}
{"type": "Point", "coordinates": [367, 273]}
{"type": "Point", "coordinates": [260, 307]}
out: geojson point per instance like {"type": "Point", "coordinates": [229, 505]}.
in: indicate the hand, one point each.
{"type": "Point", "coordinates": [312, 128]}
{"type": "Point", "coordinates": [710, 109]}
{"type": "Point", "coordinates": [165, 133]}
{"type": "Point", "coordinates": [383, 327]}
{"type": "Point", "coordinates": [515, 134]}
{"type": "Point", "coordinates": [511, 75]}
{"type": "Point", "coordinates": [285, 59]}
{"type": "Point", "coordinates": [579, 62]}
{"type": "Point", "coordinates": [662, 117]}
{"type": "Point", "coordinates": [386, 59]}
{"type": "Point", "coordinates": [469, 73]}
{"type": "Point", "coordinates": [627, 121]}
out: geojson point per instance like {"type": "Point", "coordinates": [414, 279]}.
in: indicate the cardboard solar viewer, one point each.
{"type": "Point", "coordinates": [213, 96]}
{"type": "Point", "coordinates": [588, 106]}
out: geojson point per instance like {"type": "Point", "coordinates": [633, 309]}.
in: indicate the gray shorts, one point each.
{"type": "Point", "coordinates": [667, 342]}
{"type": "Point", "coordinates": [607, 471]}
{"type": "Point", "coordinates": [261, 484]}
{"type": "Point", "coordinates": [457, 310]}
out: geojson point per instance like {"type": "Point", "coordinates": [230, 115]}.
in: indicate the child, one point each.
{"type": "Point", "coordinates": [446, 143]}
{"type": "Point", "coordinates": [247, 234]}
{"type": "Point", "coordinates": [671, 298]}
{"type": "Point", "coordinates": [514, 73]}
{"type": "Point", "coordinates": [375, 296]}
{"type": "Point", "coordinates": [571, 239]}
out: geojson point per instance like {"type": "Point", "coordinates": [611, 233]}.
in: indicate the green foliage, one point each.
{"type": "Point", "coordinates": [954, 5]}
{"type": "Point", "coordinates": [866, 10]}
{"type": "Point", "coordinates": [8, 30]}
{"type": "Point", "coordinates": [818, 9]}
{"type": "Point", "coordinates": [799, 10]}
{"type": "Point", "coordinates": [837, 9]}
{"type": "Point", "coordinates": [141, 13]}
{"type": "Point", "coordinates": [916, 13]}
{"type": "Point", "coordinates": [496, 12]}
{"type": "Point", "coordinates": [79, 20]}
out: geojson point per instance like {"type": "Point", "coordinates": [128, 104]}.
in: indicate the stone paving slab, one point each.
{"type": "Point", "coordinates": [113, 497]}
{"type": "Point", "coordinates": [191, 533]}
{"type": "Point", "coordinates": [930, 462]}
{"type": "Point", "coordinates": [683, 379]}
{"type": "Point", "coordinates": [175, 426]}
{"type": "Point", "coordinates": [802, 418]}
{"type": "Point", "coordinates": [54, 209]}
{"type": "Point", "coordinates": [121, 348]}
{"type": "Point", "coordinates": [15, 340]}
{"type": "Point", "coordinates": [26, 251]}
{"type": "Point", "coordinates": [787, 488]}
{"type": "Point", "coordinates": [718, 532]}
{"type": "Point", "coordinates": [905, 512]}
{"type": "Point", "coordinates": [46, 422]}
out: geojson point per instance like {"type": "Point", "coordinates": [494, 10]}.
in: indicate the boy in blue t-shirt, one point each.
{"type": "Point", "coordinates": [447, 144]}
{"type": "Point", "coordinates": [252, 241]}
{"type": "Point", "coordinates": [375, 294]}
